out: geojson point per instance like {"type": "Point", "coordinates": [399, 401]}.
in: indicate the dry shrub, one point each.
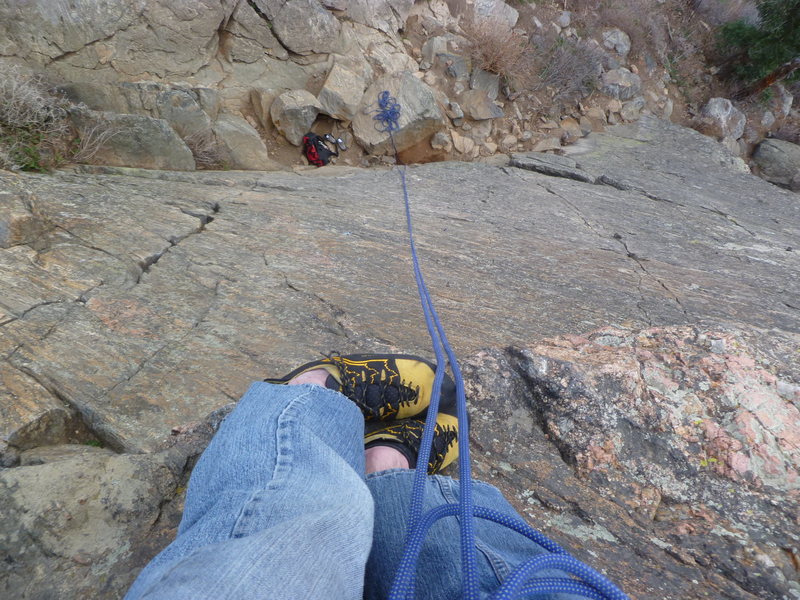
{"type": "Point", "coordinates": [568, 68]}
{"type": "Point", "coordinates": [495, 48]}
{"type": "Point", "coordinates": [91, 140]}
{"type": "Point", "coordinates": [34, 130]}
{"type": "Point", "coordinates": [205, 149]}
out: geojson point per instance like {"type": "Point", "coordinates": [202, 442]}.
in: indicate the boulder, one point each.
{"type": "Point", "coordinates": [240, 145]}
{"type": "Point", "coordinates": [293, 113]}
{"type": "Point", "coordinates": [137, 141]}
{"type": "Point", "coordinates": [618, 41]}
{"type": "Point", "coordinates": [420, 115]}
{"type": "Point", "coordinates": [462, 143]}
{"type": "Point", "coordinates": [432, 47]}
{"type": "Point", "coordinates": [441, 141]}
{"type": "Point", "coordinates": [621, 84]}
{"type": "Point", "coordinates": [631, 110]}
{"type": "Point", "coordinates": [778, 161]}
{"type": "Point", "coordinates": [488, 82]}
{"type": "Point", "coordinates": [721, 119]}
{"type": "Point", "coordinates": [477, 105]}
{"type": "Point", "coordinates": [341, 93]}
{"type": "Point", "coordinates": [302, 26]}
{"type": "Point", "coordinates": [550, 143]}
{"type": "Point", "coordinates": [455, 113]}
{"type": "Point", "coordinates": [495, 10]}
{"type": "Point", "coordinates": [261, 100]}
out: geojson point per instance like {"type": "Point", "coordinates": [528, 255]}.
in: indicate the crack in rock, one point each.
{"type": "Point", "coordinates": [89, 417]}
{"type": "Point", "coordinates": [640, 262]}
{"type": "Point", "coordinates": [727, 217]}
{"type": "Point", "coordinates": [336, 312]}
{"type": "Point", "coordinates": [148, 262]}
{"type": "Point", "coordinates": [641, 302]}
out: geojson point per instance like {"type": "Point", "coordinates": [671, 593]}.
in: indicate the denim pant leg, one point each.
{"type": "Point", "coordinates": [500, 549]}
{"type": "Point", "coordinates": [276, 507]}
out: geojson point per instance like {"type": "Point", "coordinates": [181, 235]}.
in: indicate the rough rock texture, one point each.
{"type": "Point", "coordinates": [641, 452]}
{"type": "Point", "coordinates": [80, 522]}
{"type": "Point", "coordinates": [302, 26]}
{"type": "Point", "coordinates": [18, 224]}
{"type": "Point", "coordinates": [341, 93]}
{"type": "Point", "coordinates": [250, 36]}
{"type": "Point", "coordinates": [420, 115]}
{"type": "Point", "coordinates": [210, 43]}
{"type": "Point", "coordinates": [722, 119]}
{"type": "Point", "coordinates": [388, 16]}
{"type": "Point", "coordinates": [293, 113]}
{"type": "Point", "coordinates": [187, 109]}
{"type": "Point", "coordinates": [495, 10]}
{"type": "Point", "coordinates": [240, 145]}
{"type": "Point", "coordinates": [137, 140]}
{"type": "Point", "coordinates": [778, 161]}
{"type": "Point", "coordinates": [621, 83]}
{"type": "Point", "coordinates": [148, 299]}
{"type": "Point", "coordinates": [617, 40]}
{"type": "Point", "coordinates": [477, 105]}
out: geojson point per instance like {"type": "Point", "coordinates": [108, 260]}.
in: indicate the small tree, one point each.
{"type": "Point", "coordinates": [767, 51]}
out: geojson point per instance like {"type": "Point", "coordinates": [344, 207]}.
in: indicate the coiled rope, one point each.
{"type": "Point", "coordinates": [522, 581]}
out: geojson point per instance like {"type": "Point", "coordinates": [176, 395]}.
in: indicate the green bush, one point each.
{"type": "Point", "coordinates": [754, 51]}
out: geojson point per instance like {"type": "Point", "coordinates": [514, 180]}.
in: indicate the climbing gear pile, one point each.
{"type": "Point", "coordinates": [522, 581]}
{"type": "Point", "coordinates": [317, 150]}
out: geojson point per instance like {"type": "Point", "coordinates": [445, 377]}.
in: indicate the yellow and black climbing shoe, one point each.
{"type": "Point", "coordinates": [405, 436]}
{"type": "Point", "coordinates": [384, 386]}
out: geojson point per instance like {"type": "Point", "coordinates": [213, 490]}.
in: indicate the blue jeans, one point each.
{"type": "Point", "coordinates": [278, 507]}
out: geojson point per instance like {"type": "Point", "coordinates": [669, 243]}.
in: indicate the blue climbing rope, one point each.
{"type": "Point", "coordinates": [522, 581]}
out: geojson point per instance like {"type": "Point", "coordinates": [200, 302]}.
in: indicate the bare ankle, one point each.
{"type": "Point", "coordinates": [381, 458]}
{"type": "Point", "coordinates": [315, 376]}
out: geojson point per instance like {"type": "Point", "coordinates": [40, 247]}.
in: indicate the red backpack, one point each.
{"type": "Point", "coordinates": [316, 150]}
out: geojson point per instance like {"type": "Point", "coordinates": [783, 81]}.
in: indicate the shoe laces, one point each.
{"type": "Point", "coordinates": [380, 394]}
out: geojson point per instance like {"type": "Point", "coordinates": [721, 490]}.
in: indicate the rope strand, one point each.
{"type": "Point", "coordinates": [590, 584]}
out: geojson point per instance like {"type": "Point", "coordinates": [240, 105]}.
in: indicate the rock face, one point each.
{"type": "Point", "coordinates": [86, 519]}
{"type": "Point", "coordinates": [134, 301]}
{"type": "Point", "coordinates": [779, 162]}
{"type": "Point", "coordinates": [303, 26]}
{"type": "Point", "coordinates": [136, 140]}
{"type": "Point", "coordinates": [420, 115]}
{"type": "Point", "coordinates": [645, 452]}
